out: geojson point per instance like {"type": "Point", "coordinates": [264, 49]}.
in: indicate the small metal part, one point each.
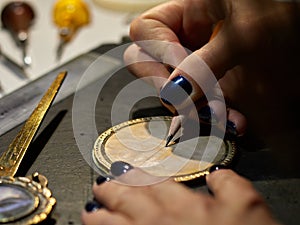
{"type": "Point", "coordinates": [12, 65]}
{"type": "Point", "coordinates": [27, 60]}
{"type": "Point", "coordinates": [17, 17]}
{"type": "Point", "coordinates": [60, 49]}
{"type": "Point", "coordinates": [35, 177]}
{"type": "Point", "coordinates": [169, 139]}
{"type": "Point", "coordinates": [69, 16]}
{"type": "Point", "coordinates": [175, 126]}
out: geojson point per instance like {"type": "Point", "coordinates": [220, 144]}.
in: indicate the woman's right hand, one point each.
{"type": "Point", "coordinates": [254, 58]}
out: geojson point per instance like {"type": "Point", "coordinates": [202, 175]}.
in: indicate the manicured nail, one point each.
{"type": "Point", "coordinates": [172, 93]}
{"type": "Point", "coordinates": [92, 206]}
{"type": "Point", "coordinates": [216, 167]}
{"type": "Point", "coordinates": [231, 128]}
{"type": "Point", "coordinates": [207, 115]}
{"type": "Point", "coordinates": [118, 168]}
{"type": "Point", "coordinates": [100, 180]}
{"type": "Point", "coordinates": [213, 169]}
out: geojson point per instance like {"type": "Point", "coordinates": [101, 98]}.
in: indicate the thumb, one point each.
{"type": "Point", "coordinates": [221, 50]}
{"type": "Point", "coordinates": [205, 66]}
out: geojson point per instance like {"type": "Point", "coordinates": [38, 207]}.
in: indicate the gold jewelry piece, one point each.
{"type": "Point", "coordinates": [141, 143]}
{"type": "Point", "coordinates": [26, 200]}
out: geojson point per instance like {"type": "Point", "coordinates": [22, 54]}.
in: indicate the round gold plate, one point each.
{"type": "Point", "coordinates": [141, 142]}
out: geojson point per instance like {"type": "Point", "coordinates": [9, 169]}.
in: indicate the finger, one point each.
{"type": "Point", "coordinates": [161, 27]}
{"type": "Point", "coordinates": [215, 112]}
{"type": "Point", "coordinates": [199, 72]}
{"type": "Point", "coordinates": [144, 66]}
{"type": "Point", "coordinates": [227, 185]}
{"type": "Point", "coordinates": [227, 119]}
{"type": "Point", "coordinates": [154, 197]}
{"type": "Point", "coordinates": [128, 192]}
{"type": "Point", "coordinates": [203, 15]}
{"type": "Point", "coordinates": [126, 200]}
{"type": "Point", "coordinates": [103, 217]}
{"type": "Point", "coordinates": [237, 122]}
{"type": "Point", "coordinates": [158, 23]}
{"type": "Point", "coordinates": [221, 50]}
{"type": "Point", "coordinates": [160, 189]}
{"type": "Point", "coordinates": [179, 23]}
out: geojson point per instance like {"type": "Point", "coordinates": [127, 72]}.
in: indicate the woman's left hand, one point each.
{"type": "Point", "coordinates": [235, 201]}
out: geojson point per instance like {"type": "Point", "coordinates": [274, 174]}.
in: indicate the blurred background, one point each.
{"type": "Point", "coordinates": [107, 21]}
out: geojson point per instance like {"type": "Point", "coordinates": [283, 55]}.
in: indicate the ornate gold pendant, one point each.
{"type": "Point", "coordinates": [26, 200]}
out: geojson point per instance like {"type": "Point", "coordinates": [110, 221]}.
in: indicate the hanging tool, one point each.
{"type": "Point", "coordinates": [12, 65]}
{"type": "Point", "coordinates": [69, 16]}
{"type": "Point", "coordinates": [17, 17]}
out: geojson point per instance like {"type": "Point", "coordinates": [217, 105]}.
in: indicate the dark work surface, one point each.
{"type": "Point", "coordinates": [55, 154]}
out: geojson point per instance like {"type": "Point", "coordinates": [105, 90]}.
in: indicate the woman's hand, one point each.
{"type": "Point", "coordinates": [235, 201]}
{"type": "Point", "coordinates": [253, 60]}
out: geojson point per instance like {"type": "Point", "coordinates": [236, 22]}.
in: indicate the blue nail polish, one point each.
{"type": "Point", "coordinates": [207, 115]}
{"type": "Point", "coordinates": [216, 167]}
{"type": "Point", "coordinates": [231, 128]}
{"type": "Point", "coordinates": [213, 169]}
{"type": "Point", "coordinates": [118, 168]}
{"type": "Point", "coordinates": [176, 91]}
{"type": "Point", "coordinates": [92, 206]}
{"type": "Point", "coordinates": [100, 180]}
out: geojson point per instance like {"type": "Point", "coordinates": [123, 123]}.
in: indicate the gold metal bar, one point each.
{"type": "Point", "coordinates": [12, 157]}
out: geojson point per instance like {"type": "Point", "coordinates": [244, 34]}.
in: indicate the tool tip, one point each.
{"type": "Point", "coordinates": [168, 140]}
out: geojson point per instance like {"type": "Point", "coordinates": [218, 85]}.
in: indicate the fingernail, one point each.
{"type": "Point", "coordinates": [216, 167]}
{"type": "Point", "coordinates": [207, 115]}
{"type": "Point", "coordinates": [100, 180]}
{"type": "Point", "coordinates": [92, 206]}
{"type": "Point", "coordinates": [172, 93]}
{"type": "Point", "coordinates": [213, 169]}
{"type": "Point", "coordinates": [231, 128]}
{"type": "Point", "coordinates": [118, 168]}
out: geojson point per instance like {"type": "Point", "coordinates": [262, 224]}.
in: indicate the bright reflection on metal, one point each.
{"type": "Point", "coordinates": [15, 202]}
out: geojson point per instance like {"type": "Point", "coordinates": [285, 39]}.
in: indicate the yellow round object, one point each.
{"type": "Point", "coordinates": [128, 5]}
{"type": "Point", "coordinates": [141, 143]}
{"type": "Point", "coordinates": [71, 13]}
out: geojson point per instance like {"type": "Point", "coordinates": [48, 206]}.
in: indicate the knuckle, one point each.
{"type": "Point", "coordinates": [254, 198]}
{"type": "Point", "coordinates": [251, 197]}
{"type": "Point", "coordinates": [123, 198]}
{"type": "Point", "coordinates": [134, 26]}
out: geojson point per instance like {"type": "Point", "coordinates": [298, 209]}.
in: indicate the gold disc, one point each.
{"type": "Point", "coordinates": [141, 143]}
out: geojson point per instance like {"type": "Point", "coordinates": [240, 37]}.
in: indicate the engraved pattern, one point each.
{"type": "Point", "coordinates": [108, 148]}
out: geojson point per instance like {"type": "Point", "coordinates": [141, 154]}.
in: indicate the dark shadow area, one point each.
{"type": "Point", "coordinates": [39, 143]}
{"type": "Point", "coordinates": [195, 183]}
{"type": "Point", "coordinates": [149, 112]}
{"type": "Point", "coordinates": [48, 221]}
